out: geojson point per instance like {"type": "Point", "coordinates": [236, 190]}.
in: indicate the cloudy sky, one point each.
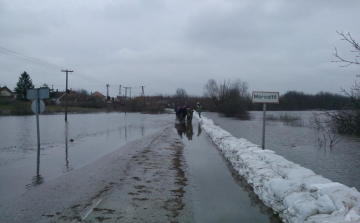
{"type": "Point", "coordinates": [169, 44]}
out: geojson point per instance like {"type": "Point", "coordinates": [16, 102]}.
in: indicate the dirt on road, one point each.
{"type": "Point", "coordinates": [143, 181]}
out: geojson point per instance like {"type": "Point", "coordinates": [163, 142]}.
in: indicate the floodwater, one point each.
{"type": "Point", "coordinates": [64, 146]}
{"type": "Point", "coordinates": [299, 143]}
{"type": "Point", "coordinates": [218, 192]}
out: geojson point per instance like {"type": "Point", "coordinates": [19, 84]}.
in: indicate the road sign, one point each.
{"type": "Point", "coordinates": [265, 97]}
{"type": "Point", "coordinates": [33, 93]}
{"type": "Point", "coordinates": [37, 106]}
{"type": "Point", "coordinates": [42, 106]}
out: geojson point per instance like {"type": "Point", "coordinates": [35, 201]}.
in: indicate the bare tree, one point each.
{"type": "Point", "coordinates": [82, 91]}
{"type": "Point", "coordinates": [228, 96]}
{"type": "Point", "coordinates": [356, 49]}
{"type": "Point", "coordinates": [180, 93]}
{"type": "Point", "coordinates": [346, 121]}
{"type": "Point", "coordinates": [211, 90]}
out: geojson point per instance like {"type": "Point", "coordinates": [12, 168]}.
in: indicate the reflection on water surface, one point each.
{"type": "Point", "coordinates": [65, 146]}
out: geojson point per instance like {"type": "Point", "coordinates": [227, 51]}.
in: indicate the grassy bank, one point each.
{"type": "Point", "coordinates": [24, 108]}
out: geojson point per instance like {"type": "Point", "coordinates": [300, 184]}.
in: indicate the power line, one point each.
{"type": "Point", "coordinates": [27, 59]}
{"type": "Point", "coordinates": [31, 60]}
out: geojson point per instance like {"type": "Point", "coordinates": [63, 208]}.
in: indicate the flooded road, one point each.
{"type": "Point", "coordinates": [218, 192]}
{"type": "Point", "coordinates": [134, 168]}
{"type": "Point", "coordinates": [298, 142]}
{"type": "Point", "coordinates": [64, 146]}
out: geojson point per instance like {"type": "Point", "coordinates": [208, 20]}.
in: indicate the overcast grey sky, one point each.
{"type": "Point", "coordinates": [168, 44]}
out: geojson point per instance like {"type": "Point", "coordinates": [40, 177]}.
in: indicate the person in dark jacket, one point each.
{"type": "Point", "coordinates": [184, 111]}
{"type": "Point", "coordinates": [189, 113]}
{"type": "Point", "coordinates": [180, 113]}
{"type": "Point", "coordinates": [176, 111]}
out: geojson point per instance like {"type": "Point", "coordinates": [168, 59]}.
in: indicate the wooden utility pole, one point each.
{"type": "Point", "coordinates": [66, 90]}
{"type": "Point", "coordinates": [107, 93]}
{"type": "Point", "coordinates": [126, 96]}
{"type": "Point", "coordinates": [143, 95]}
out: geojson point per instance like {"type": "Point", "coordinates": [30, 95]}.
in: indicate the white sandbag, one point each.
{"type": "Point", "coordinates": [293, 198]}
{"type": "Point", "coordinates": [282, 188]}
{"type": "Point", "coordinates": [341, 195]}
{"type": "Point", "coordinates": [294, 172]}
{"type": "Point", "coordinates": [274, 158]}
{"type": "Point", "coordinates": [281, 166]}
{"type": "Point", "coordinates": [353, 214]}
{"type": "Point", "coordinates": [278, 206]}
{"type": "Point", "coordinates": [314, 188]}
{"type": "Point", "coordinates": [299, 207]}
{"type": "Point", "coordinates": [308, 181]}
{"type": "Point", "coordinates": [263, 152]}
{"type": "Point", "coordinates": [335, 217]}
{"type": "Point", "coordinates": [325, 205]}
{"type": "Point", "coordinates": [299, 172]}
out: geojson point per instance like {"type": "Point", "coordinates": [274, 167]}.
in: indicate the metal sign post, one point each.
{"type": "Point", "coordinates": [37, 118]}
{"type": "Point", "coordinates": [38, 105]}
{"type": "Point", "coordinates": [263, 133]}
{"type": "Point", "coordinates": [265, 97]}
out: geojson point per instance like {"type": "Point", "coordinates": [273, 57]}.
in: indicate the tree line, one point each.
{"type": "Point", "coordinates": [299, 101]}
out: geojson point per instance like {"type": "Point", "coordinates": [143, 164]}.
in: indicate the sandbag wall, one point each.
{"type": "Point", "coordinates": [296, 193]}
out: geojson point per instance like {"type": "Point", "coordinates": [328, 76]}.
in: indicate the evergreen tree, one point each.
{"type": "Point", "coordinates": [24, 83]}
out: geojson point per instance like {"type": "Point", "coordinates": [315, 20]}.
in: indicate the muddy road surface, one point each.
{"type": "Point", "coordinates": [143, 181]}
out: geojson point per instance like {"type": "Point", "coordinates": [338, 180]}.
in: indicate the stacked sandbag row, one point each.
{"type": "Point", "coordinates": [297, 194]}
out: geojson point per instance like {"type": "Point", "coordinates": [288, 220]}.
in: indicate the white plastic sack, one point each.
{"type": "Point", "coordinates": [353, 214]}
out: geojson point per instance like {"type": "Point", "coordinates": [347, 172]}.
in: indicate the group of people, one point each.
{"type": "Point", "coordinates": [186, 112]}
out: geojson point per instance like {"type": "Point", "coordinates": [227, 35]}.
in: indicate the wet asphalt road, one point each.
{"type": "Point", "coordinates": [173, 175]}
{"type": "Point", "coordinates": [144, 178]}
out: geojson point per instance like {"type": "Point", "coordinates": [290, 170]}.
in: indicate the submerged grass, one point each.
{"type": "Point", "coordinates": [24, 108]}
{"type": "Point", "coordinates": [285, 117]}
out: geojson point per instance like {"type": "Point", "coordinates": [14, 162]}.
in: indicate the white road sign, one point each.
{"type": "Point", "coordinates": [265, 97]}
{"type": "Point", "coordinates": [32, 93]}
{"type": "Point", "coordinates": [42, 106]}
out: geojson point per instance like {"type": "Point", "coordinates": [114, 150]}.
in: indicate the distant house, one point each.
{"type": "Point", "coordinates": [98, 96]}
{"type": "Point", "coordinates": [56, 96]}
{"type": "Point", "coordinates": [86, 98]}
{"type": "Point", "coordinates": [6, 93]}
{"type": "Point", "coordinates": [71, 97]}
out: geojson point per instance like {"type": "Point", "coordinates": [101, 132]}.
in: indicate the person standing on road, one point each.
{"type": "Point", "coordinates": [189, 114]}
{"type": "Point", "coordinates": [180, 113]}
{"type": "Point", "coordinates": [184, 113]}
{"type": "Point", "coordinates": [176, 110]}
{"type": "Point", "coordinates": [199, 109]}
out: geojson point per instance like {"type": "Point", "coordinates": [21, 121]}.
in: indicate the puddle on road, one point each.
{"type": "Point", "coordinates": [219, 193]}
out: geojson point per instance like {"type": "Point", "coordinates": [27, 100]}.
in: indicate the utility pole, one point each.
{"type": "Point", "coordinates": [126, 96]}
{"type": "Point", "coordinates": [67, 71]}
{"type": "Point", "coordinates": [126, 91]}
{"type": "Point", "coordinates": [107, 94]}
{"type": "Point", "coordinates": [143, 95]}
{"type": "Point", "coordinates": [130, 92]}
{"type": "Point", "coordinates": [120, 90]}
